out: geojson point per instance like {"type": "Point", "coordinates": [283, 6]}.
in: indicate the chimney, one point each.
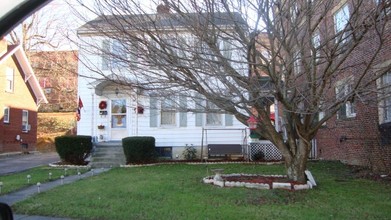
{"type": "Point", "coordinates": [163, 9]}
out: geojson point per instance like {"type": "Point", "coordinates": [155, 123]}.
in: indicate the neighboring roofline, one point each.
{"type": "Point", "coordinates": [160, 21]}
{"type": "Point", "coordinates": [30, 77]}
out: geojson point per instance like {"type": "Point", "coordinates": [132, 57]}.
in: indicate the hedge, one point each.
{"type": "Point", "coordinates": [74, 149]}
{"type": "Point", "coordinates": [139, 149]}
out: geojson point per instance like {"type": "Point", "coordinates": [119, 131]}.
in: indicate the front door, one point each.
{"type": "Point", "coordinates": [118, 119]}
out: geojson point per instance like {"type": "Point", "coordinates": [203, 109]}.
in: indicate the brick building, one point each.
{"type": "Point", "coordinates": [57, 75]}
{"type": "Point", "coordinates": [20, 97]}
{"type": "Point", "coordinates": [360, 133]}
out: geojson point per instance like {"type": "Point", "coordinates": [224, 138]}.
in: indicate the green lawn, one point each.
{"type": "Point", "coordinates": [176, 192]}
{"type": "Point", "coordinates": [17, 181]}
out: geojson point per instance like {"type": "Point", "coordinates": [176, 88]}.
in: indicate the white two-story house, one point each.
{"type": "Point", "coordinates": [118, 101]}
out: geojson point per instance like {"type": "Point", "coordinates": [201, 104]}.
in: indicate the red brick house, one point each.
{"type": "Point", "coordinates": [56, 72]}
{"type": "Point", "coordinates": [20, 97]}
{"type": "Point", "coordinates": [360, 133]}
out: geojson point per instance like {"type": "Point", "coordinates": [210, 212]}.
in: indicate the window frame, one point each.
{"type": "Point", "coordinates": [341, 19]}
{"type": "Point", "coordinates": [212, 115]}
{"type": "Point", "coordinates": [168, 108]}
{"type": "Point", "coordinates": [25, 121]}
{"type": "Point", "coordinates": [6, 117]}
{"type": "Point", "coordinates": [343, 88]}
{"type": "Point", "coordinates": [121, 114]}
{"type": "Point", "coordinates": [385, 102]}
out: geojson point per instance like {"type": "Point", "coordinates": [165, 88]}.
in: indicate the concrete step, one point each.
{"type": "Point", "coordinates": [107, 155]}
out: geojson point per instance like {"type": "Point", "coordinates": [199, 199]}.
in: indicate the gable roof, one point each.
{"type": "Point", "coordinates": [29, 76]}
{"type": "Point", "coordinates": [162, 21]}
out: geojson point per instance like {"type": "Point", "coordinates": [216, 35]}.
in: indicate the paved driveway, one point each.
{"type": "Point", "coordinates": [20, 162]}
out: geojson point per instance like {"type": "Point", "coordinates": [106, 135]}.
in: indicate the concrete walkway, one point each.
{"type": "Point", "coordinates": [9, 164]}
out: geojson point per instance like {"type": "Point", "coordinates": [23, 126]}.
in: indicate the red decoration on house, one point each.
{"type": "Point", "coordinates": [140, 110]}
{"type": "Point", "coordinates": [102, 105]}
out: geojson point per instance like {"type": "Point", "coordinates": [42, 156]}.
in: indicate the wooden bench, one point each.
{"type": "Point", "coordinates": [224, 150]}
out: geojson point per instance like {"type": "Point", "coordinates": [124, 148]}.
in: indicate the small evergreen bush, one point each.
{"type": "Point", "coordinates": [74, 149]}
{"type": "Point", "coordinates": [139, 149]}
{"type": "Point", "coordinates": [190, 153]}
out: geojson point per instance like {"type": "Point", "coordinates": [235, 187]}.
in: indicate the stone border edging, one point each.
{"type": "Point", "coordinates": [200, 163]}
{"type": "Point", "coordinates": [275, 185]}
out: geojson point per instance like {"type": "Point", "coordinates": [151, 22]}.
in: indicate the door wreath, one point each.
{"type": "Point", "coordinates": [102, 105]}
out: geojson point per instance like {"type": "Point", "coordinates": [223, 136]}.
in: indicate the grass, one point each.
{"type": "Point", "coordinates": [17, 181]}
{"type": "Point", "coordinates": [176, 192]}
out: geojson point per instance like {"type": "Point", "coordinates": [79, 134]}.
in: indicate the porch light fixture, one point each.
{"type": "Point", "coordinates": [116, 91]}
{"type": "Point", "coordinates": [252, 122]}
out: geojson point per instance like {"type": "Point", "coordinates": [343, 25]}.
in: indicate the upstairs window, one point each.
{"type": "Point", "coordinates": [6, 117]}
{"type": "Point", "coordinates": [384, 6]}
{"type": "Point", "coordinates": [9, 80]}
{"type": "Point", "coordinates": [297, 62]}
{"type": "Point", "coordinates": [117, 54]}
{"type": "Point", "coordinates": [316, 45]}
{"type": "Point", "coordinates": [385, 98]}
{"type": "Point", "coordinates": [348, 109]}
{"type": "Point", "coordinates": [341, 20]}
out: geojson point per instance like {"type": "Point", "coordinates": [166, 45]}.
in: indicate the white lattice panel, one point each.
{"type": "Point", "coordinates": [267, 148]}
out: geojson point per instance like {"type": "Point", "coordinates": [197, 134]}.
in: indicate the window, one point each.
{"type": "Point", "coordinates": [296, 62]}
{"type": "Point", "coordinates": [164, 152]}
{"type": "Point", "coordinates": [212, 117]}
{"type": "Point", "coordinates": [342, 91]}
{"type": "Point", "coordinates": [341, 20]}
{"type": "Point", "coordinates": [168, 112]}
{"type": "Point", "coordinates": [384, 6]}
{"type": "Point", "coordinates": [385, 98]}
{"type": "Point", "coordinates": [117, 54]}
{"type": "Point", "coordinates": [6, 118]}
{"type": "Point", "coordinates": [226, 48]}
{"type": "Point", "coordinates": [25, 121]}
{"type": "Point", "coordinates": [294, 11]}
{"type": "Point", "coordinates": [118, 113]}
{"type": "Point", "coordinates": [9, 80]}
{"type": "Point", "coordinates": [316, 45]}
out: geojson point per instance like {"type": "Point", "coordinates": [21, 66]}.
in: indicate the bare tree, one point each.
{"type": "Point", "coordinates": [312, 57]}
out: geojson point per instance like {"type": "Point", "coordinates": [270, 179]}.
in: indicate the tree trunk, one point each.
{"type": "Point", "coordinates": [297, 164]}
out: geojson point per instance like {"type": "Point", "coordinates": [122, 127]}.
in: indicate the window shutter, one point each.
{"type": "Point", "coordinates": [182, 111]}
{"type": "Point", "coordinates": [198, 114]}
{"type": "Point", "coordinates": [229, 120]}
{"type": "Point", "coordinates": [105, 54]}
{"type": "Point", "coordinates": [153, 112]}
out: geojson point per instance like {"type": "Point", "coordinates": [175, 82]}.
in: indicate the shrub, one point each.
{"type": "Point", "coordinates": [139, 149]}
{"type": "Point", "coordinates": [73, 149]}
{"type": "Point", "coordinates": [190, 153]}
{"type": "Point", "coordinates": [259, 156]}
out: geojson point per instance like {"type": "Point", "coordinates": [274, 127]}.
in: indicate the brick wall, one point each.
{"type": "Point", "coordinates": [20, 99]}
